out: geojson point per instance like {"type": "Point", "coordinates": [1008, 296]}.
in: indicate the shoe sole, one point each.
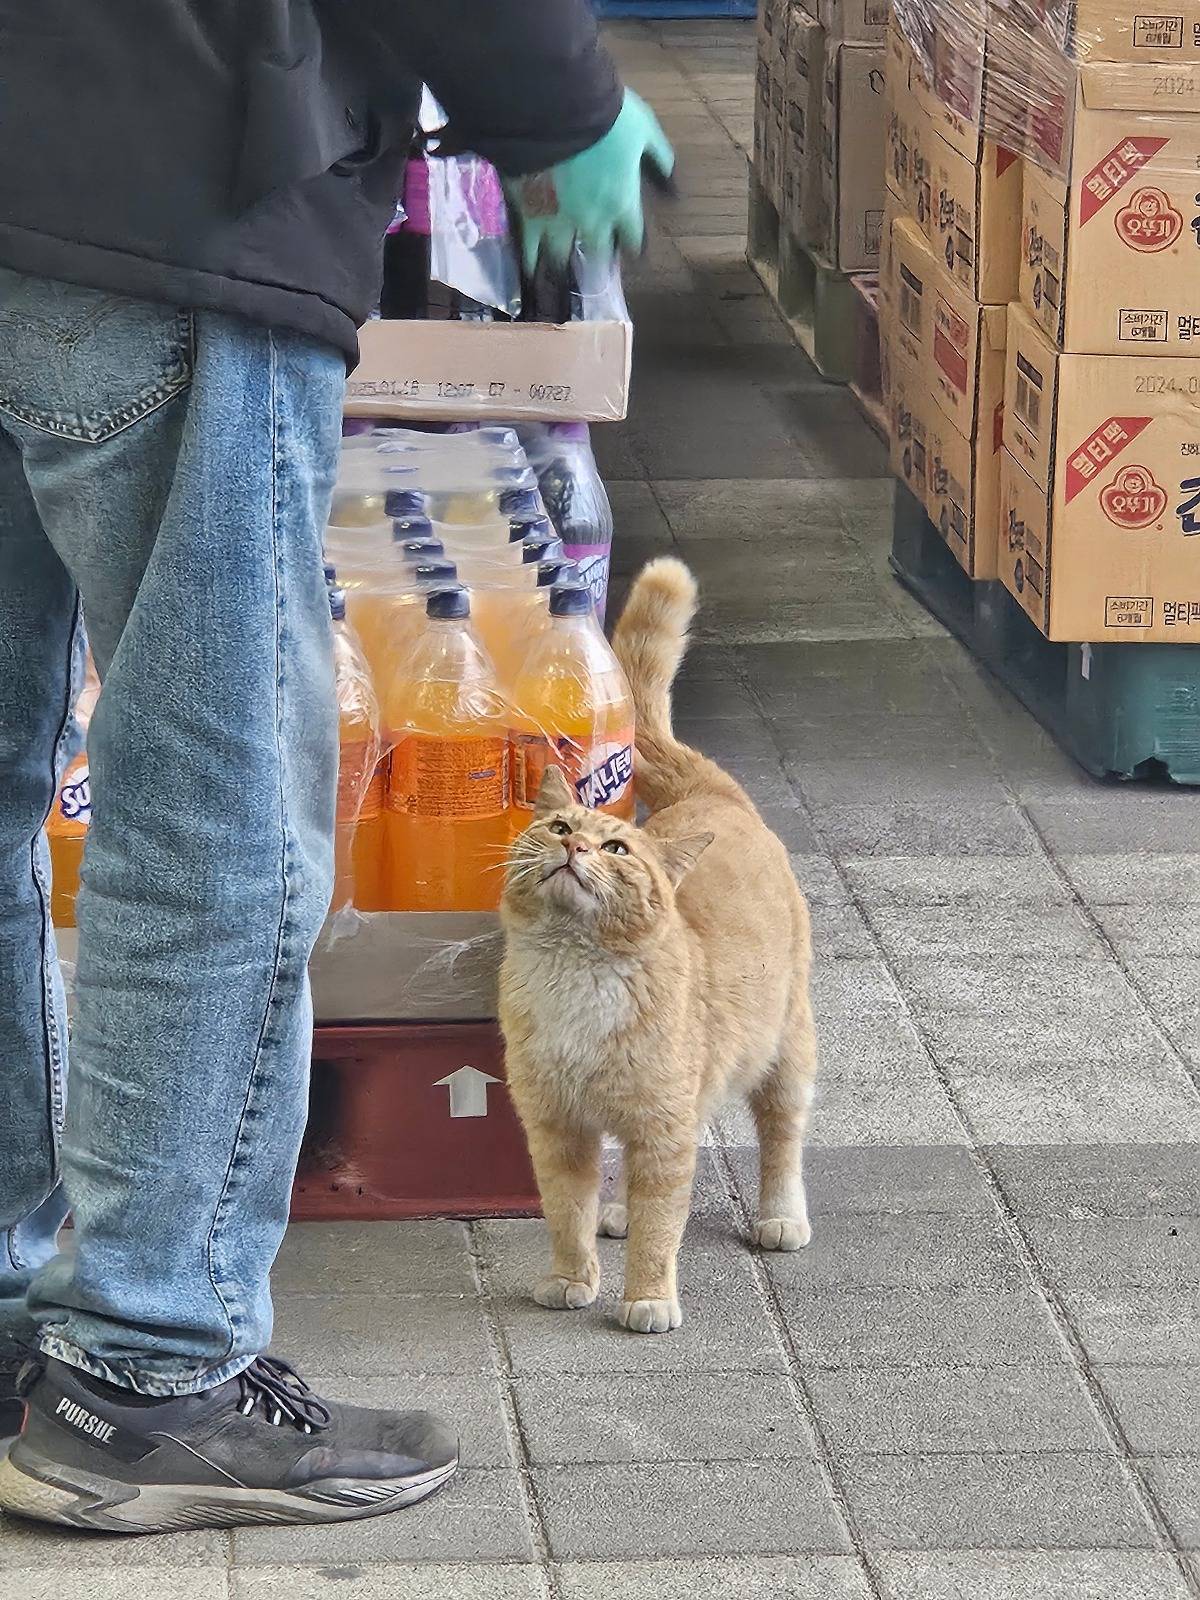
{"type": "Point", "coordinates": [48, 1492]}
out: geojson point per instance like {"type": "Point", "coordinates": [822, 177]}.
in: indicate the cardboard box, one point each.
{"type": "Point", "coordinates": [852, 181]}
{"type": "Point", "coordinates": [974, 217]}
{"type": "Point", "coordinates": [854, 21]}
{"type": "Point", "coordinates": [956, 478]}
{"type": "Point", "coordinates": [953, 341]}
{"type": "Point", "coordinates": [408, 966]}
{"type": "Point", "coordinates": [1110, 261]}
{"type": "Point", "coordinates": [481, 371]}
{"type": "Point", "coordinates": [906, 128]}
{"type": "Point", "coordinates": [802, 134]}
{"type": "Point", "coordinates": [1101, 493]}
{"type": "Point", "coordinates": [976, 73]}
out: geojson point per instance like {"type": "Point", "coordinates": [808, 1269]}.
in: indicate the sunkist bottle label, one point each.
{"type": "Point", "coordinates": [600, 770]}
{"type": "Point", "coordinates": [452, 779]}
{"type": "Point", "coordinates": [73, 806]}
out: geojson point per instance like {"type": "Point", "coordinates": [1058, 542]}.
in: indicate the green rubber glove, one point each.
{"type": "Point", "coordinates": [595, 196]}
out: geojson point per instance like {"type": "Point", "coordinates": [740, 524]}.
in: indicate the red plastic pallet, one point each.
{"type": "Point", "coordinates": [412, 1120]}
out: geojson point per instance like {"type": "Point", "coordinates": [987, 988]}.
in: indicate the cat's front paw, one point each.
{"type": "Point", "coordinates": [614, 1220]}
{"type": "Point", "coordinates": [564, 1294]}
{"type": "Point", "coordinates": [782, 1233]}
{"type": "Point", "coordinates": [650, 1316]}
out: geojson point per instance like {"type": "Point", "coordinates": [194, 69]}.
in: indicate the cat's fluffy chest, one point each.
{"type": "Point", "coordinates": [580, 1002]}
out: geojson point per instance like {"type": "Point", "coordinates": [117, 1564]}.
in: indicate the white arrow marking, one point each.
{"type": "Point", "coordinates": [468, 1091]}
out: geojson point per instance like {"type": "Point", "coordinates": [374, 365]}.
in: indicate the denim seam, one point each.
{"type": "Point", "coordinates": [256, 1061]}
{"type": "Point", "coordinates": [162, 1383]}
{"type": "Point", "coordinates": [124, 417]}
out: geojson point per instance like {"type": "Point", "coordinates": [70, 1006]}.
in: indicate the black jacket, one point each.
{"type": "Point", "coordinates": [245, 155]}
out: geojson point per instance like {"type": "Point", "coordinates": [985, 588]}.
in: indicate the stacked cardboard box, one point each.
{"type": "Point", "coordinates": [818, 125]}
{"type": "Point", "coordinates": [1101, 476]}
{"type": "Point", "coordinates": [949, 267]}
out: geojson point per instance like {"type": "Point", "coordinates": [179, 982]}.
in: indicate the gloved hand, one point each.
{"type": "Point", "coordinates": [595, 195]}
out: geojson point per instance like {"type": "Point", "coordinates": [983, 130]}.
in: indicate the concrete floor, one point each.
{"type": "Point", "coordinates": [979, 1383]}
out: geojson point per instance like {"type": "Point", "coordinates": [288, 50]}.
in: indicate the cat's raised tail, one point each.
{"type": "Point", "coordinates": [650, 641]}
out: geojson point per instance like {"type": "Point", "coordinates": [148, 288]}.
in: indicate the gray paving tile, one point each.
{"type": "Point", "coordinates": [820, 880]}
{"type": "Point", "coordinates": [1150, 930]}
{"type": "Point", "coordinates": [920, 1179]}
{"type": "Point", "coordinates": [954, 1410]}
{"type": "Point", "coordinates": [1043, 1098]}
{"type": "Point", "coordinates": [980, 881]}
{"type": "Point", "coordinates": [714, 1508]}
{"type": "Point", "coordinates": [898, 1252]}
{"type": "Point", "coordinates": [374, 1258]}
{"type": "Point", "coordinates": [968, 933]}
{"type": "Point", "coordinates": [90, 1583]}
{"type": "Point", "coordinates": [393, 1582]}
{"type": "Point", "coordinates": [913, 830]}
{"type": "Point", "coordinates": [469, 1402]}
{"type": "Point", "coordinates": [1099, 1180]}
{"type": "Point", "coordinates": [865, 1096]}
{"type": "Point", "coordinates": [359, 1335]}
{"type": "Point", "coordinates": [28, 1546]}
{"type": "Point", "coordinates": [1029, 1575]}
{"type": "Point", "coordinates": [1103, 819]}
{"type": "Point", "coordinates": [891, 1327]}
{"type": "Point", "coordinates": [1136, 1325]}
{"type": "Point", "coordinates": [986, 1036]}
{"type": "Point", "coordinates": [817, 683]}
{"type": "Point", "coordinates": [1160, 1252]}
{"type": "Point", "coordinates": [1176, 1485]}
{"type": "Point", "coordinates": [1135, 878]}
{"type": "Point", "coordinates": [478, 1516]}
{"type": "Point", "coordinates": [636, 511]}
{"type": "Point", "coordinates": [668, 1417]}
{"type": "Point", "coordinates": [721, 1332]}
{"type": "Point", "coordinates": [770, 509]}
{"type": "Point", "coordinates": [840, 933]}
{"type": "Point", "coordinates": [1158, 1407]}
{"type": "Point", "coordinates": [937, 1502]}
{"type": "Point", "coordinates": [768, 1578]}
{"type": "Point", "coordinates": [1169, 986]}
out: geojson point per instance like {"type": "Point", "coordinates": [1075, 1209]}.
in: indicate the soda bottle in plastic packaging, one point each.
{"type": "Point", "coordinates": [572, 709]}
{"type": "Point", "coordinates": [447, 816]}
{"type": "Point", "coordinates": [71, 814]}
{"type": "Point", "coordinates": [575, 499]}
{"type": "Point", "coordinates": [358, 836]}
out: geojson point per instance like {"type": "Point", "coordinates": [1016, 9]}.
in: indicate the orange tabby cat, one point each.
{"type": "Point", "coordinates": [649, 973]}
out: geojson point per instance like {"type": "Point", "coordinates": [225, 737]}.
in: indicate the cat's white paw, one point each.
{"type": "Point", "coordinates": [614, 1220]}
{"type": "Point", "coordinates": [650, 1316]}
{"type": "Point", "coordinates": [563, 1294]}
{"type": "Point", "coordinates": [782, 1233]}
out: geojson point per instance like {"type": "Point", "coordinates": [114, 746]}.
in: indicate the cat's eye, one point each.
{"type": "Point", "coordinates": [560, 827]}
{"type": "Point", "coordinates": [615, 847]}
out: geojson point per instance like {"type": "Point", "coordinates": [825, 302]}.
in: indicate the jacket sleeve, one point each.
{"type": "Point", "coordinates": [525, 83]}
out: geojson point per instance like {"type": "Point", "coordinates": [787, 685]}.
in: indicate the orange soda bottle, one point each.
{"type": "Point", "coordinates": [447, 802]}
{"type": "Point", "coordinates": [572, 709]}
{"type": "Point", "coordinates": [358, 827]}
{"type": "Point", "coordinates": [71, 814]}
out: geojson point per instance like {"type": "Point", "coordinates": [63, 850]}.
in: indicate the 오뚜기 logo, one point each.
{"type": "Point", "coordinates": [1149, 222]}
{"type": "Point", "coordinates": [1133, 499]}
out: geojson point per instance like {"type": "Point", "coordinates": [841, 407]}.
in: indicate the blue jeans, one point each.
{"type": "Point", "coordinates": [170, 473]}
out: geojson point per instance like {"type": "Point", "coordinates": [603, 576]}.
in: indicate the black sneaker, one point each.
{"type": "Point", "coordinates": [260, 1448]}
{"type": "Point", "coordinates": [12, 1408]}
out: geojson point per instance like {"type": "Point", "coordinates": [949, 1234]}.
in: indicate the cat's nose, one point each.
{"type": "Point", "coordinates": [578, 847]}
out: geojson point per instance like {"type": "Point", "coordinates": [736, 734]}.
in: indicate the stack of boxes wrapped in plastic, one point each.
{"type": "Point", "coordinates": [818, 125]}
{"type": "Point", "coordinates": [1086, 434]}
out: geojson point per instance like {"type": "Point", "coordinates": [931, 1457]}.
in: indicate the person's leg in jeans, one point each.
{"type": "Point", "coordinates": [179, 468]}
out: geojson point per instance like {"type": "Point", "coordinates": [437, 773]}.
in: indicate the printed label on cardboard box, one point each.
{"type": "Point", "coordinates": [802, 133]}
{"type": "Point", "coordinates": [854, 21]}
{"type": "Point", "coordinates": [1113, 447]}
{"type": "Point", "coordinates": [976, 218]}
{"type": "Point", "coordinates": [1103, 30]}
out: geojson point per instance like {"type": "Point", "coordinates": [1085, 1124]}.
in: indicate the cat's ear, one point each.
{"type": "Point", "coordinates": [554, 794]}
{"type": "Point", "coordinates": [679, 856]}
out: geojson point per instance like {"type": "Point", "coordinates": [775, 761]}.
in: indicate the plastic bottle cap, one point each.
{"type": "Point", "coordinates": [552, 572]}
{"type": "Point", "coordinates": [570, 600]}
{"type": "Point", "coordinates": [448, 605]}
{"type": "Point", "coordinates": [540, 549]}
{"type": "Point", "coordinates": [515, 501]}
{"type": "Point", "coordinates": [496, 434]}
{"type": "Point", "coordinates": [527, 522]}
{"type": "Point", "coordinates": [514, 475]}
{"type": "Point", "coordinates": [412, 526]}
{"type": "Point", "coordinates": [421, 549]}
{"type": "Point", "coordinates": [405, 503]}
{"type": "Point", "coordinates": [337, 604]}
{"type": "Point", "coordinates": [330, 573]}
{"type": "Point", "coordinates": [439, 572]}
